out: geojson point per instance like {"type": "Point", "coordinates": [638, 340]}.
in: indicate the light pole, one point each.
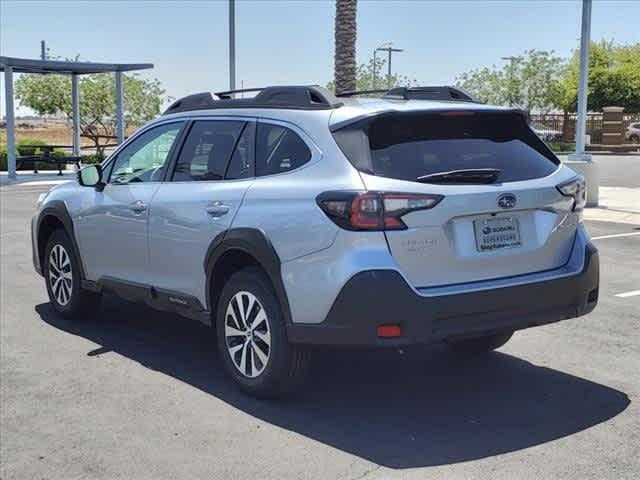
{"type": "Point", "coordinates": [232, 44]}
{"type": "Point", "coordinates": [385, 47]}
{"type": "Point", "coordinates": [510, 90]}
{"type": "Point", "coordinates": [580, 161]}
{"type": "Point", "coordinates": [375, 51]}
{"type": "Point", "coordinates": [585, 39]}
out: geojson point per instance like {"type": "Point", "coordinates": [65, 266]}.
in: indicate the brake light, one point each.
{"type": "Point", "coordinates": [577, 189]}
{"type": "Point", "coordinates": [457, 113]}
{"type": "Point", "coordinates": [373, 210]}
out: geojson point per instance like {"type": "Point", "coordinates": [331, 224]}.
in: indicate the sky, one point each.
{"type": "Point", "coordinates": [291, 42]}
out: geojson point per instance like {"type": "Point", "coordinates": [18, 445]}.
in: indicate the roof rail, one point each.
{"type": "Point", "coordinates": [430, 93]}
{"type": "Point", "coordinates": [355, 93]}
{"type": "Point", "coordinates": [294, 97]}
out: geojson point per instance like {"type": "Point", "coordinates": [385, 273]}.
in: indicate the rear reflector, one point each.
{"type": "Point", "coordinates": [389, 331]}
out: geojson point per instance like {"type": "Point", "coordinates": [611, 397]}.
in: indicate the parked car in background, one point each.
{"type": "Point", "coordinates": [633, 133]}
{"type": "Point", "coordinates": [296, 218]}
{"type": "Point", "coordinates": [545, 133]}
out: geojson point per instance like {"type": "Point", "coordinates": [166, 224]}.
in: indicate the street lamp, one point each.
{"type": "Point", "coordinates": [385, 47]}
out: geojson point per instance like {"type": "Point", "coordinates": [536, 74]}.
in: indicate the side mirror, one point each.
{"type": "Point", "coordinates": [90, 176]}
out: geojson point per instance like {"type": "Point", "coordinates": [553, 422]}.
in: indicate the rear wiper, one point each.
{"type": "Point", "coordinates": [469, 175]}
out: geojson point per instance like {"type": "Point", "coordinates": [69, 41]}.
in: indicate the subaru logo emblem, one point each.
{"type": "Point", "coordinates": [507, 200]}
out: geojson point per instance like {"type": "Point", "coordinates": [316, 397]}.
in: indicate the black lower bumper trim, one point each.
{"type": "Point", "coordinates": [378, 297]}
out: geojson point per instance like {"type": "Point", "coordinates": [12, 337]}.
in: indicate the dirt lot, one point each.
{"type": "Point", "coordinates": [53, 132]}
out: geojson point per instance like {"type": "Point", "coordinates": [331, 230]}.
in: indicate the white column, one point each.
{"type": "Point", "coordinates": [11, 122]}
{"type": "Point", "coordinates": [119, 109]}
{"type": "Point", "coordinates": [75, 109]}
{"type": "Point", "coordinates": [584, 76]}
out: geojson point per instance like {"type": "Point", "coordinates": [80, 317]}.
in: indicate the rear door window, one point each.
{"type": "Point", "coordinates": [408, 146]}
{"type": "Point", "coordinates": [279, 150]}
{"type": "Point", "coordinates": [207, 150]}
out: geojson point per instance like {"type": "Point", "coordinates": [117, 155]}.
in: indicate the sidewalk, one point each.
{"type": "Point", "coordinates": [46, 177]}
{"type": "Point", "coordinates": [617, 204]}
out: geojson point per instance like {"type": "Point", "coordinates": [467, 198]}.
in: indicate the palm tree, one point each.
{"type": "Point", "coordinates": [345, 38]}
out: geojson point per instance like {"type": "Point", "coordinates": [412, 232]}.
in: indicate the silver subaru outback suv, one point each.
{"type": "Point", "coordinates": [295, 218]}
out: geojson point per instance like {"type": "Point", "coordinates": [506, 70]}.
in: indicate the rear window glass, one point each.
{"type": "Point", "coordinates": [407, 146]}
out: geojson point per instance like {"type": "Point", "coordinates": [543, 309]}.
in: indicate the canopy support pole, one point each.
{"type": "Point", "coordinates": [11, 123]}
{"type": "Point", "coordinates": [75, 107]}
{"type": "Point", "coordinates": [119, 110]}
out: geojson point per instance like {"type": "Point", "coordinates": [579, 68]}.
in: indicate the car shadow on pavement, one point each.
{"type": "Point", "coordinates": [422, 408]}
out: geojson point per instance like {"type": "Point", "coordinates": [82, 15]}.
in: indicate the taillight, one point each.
{"type": "Point", "coordinates": [373, 210]}
{"type": "Point", "coordinates": [577, 189]}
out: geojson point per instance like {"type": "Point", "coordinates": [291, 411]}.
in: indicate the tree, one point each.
{"type": "Point", "coordinates": [365, 78]}
{"type": "Point", "coordinates": [345, 45]}
{"type": "Point", "coordinates": [51, 95]}
{"type": "Point", "coordinates": [527, 81]}
{"type": "Point", "coordinates": [614, 80]}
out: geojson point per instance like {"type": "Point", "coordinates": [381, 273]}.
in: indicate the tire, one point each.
{"type": "Point", "coordinates": [61, 271]}
{"type": "Point", "coordinates": [272, 366]}
{"type": "Point", "coordinates": [479, 345]}
{"type": "Point", "coordinates": [634, 139]}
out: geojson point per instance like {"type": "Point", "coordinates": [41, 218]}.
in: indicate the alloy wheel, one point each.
{"type": "Point", "coordinates": [247, 334]}
{"type": "Point", "coordinates": [60, 274]}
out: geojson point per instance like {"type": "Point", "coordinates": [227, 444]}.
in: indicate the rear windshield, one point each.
{"type": "Point", "coordinates": [410, 145]}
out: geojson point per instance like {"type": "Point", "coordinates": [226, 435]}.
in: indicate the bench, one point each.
{"type": "Point", "coordinates": [46, 156]}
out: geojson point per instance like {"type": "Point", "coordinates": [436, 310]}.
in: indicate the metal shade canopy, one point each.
{"type": "Point", "coordinates": [11, 65]}
{"type": "Point", "coordinates": [27, 65]}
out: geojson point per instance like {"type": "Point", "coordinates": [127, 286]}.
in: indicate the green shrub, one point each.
{"type": "Point", "coordinates": [92, 159]}
{"type": "Point", "coordinates": [3, 158]}
{"type": "Point", "coordinates": [561, 147]}
{"type": "Point", "coordinates": [27, 148]}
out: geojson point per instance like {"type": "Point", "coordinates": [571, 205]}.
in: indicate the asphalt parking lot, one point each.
{"type": "Point", "coordinates": [137, 394]}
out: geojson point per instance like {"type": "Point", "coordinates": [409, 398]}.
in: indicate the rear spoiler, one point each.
{"type": "Point", "coordinates": [345, 123]}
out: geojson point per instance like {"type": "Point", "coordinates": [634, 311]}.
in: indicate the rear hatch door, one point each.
{"type": "Point", "coordinates": [484, 228]}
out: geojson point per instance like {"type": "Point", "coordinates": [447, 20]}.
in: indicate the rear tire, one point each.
{"type": "Point", "coordinates": [61, 271]}
{"type": "Point", "coordinates": [480, 345]}
{"type": "Point", "coordinates": [252, 337]}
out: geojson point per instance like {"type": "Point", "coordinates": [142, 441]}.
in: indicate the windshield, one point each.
{"type": "Point", "coordinates": [410, 146]}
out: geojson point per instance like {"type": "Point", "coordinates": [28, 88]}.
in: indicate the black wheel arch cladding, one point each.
{"type": "Point", "coordinates": [58, 210]}
{"type": "Point", "coordinates": [254, 243]}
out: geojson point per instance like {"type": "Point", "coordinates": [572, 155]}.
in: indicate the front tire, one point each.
{"type": "Point", "coordinates": [480, 345]}
{"type": "Point", "coordinates": [252, 337]}
{"type": "Point", "coordinates": [62, 277]}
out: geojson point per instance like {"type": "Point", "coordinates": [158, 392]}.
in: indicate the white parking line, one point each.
{"type": "Point", "coordinates": [616, 235]}
{"type": "Point", "coordinates": [633, 293]}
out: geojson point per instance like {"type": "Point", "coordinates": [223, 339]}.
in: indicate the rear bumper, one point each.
{"type": "Point", "coordinates": [378, 297]}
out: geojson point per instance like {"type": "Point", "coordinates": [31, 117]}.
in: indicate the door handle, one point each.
{"type": "Point", "coordinates": [138, 206]}
{"type": "Point", "coordinates": [217, 209]}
